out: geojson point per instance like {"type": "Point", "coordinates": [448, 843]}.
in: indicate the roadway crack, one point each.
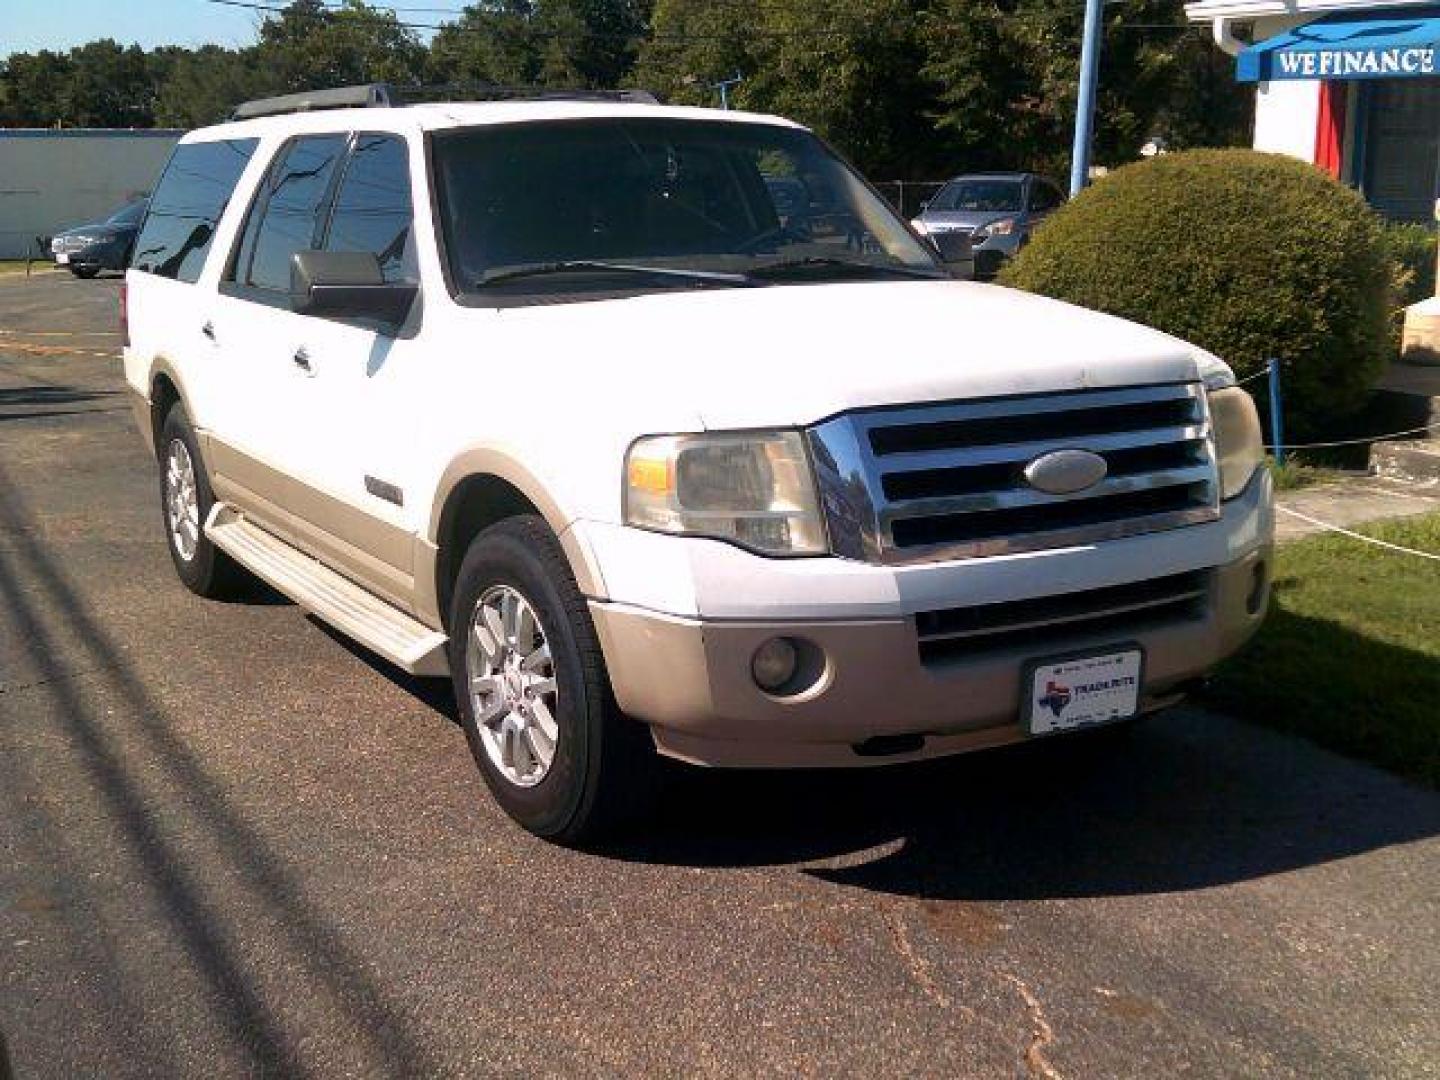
{"type": "Point", "coordinates": [59, 676]}
{"type": "Point", "coordinates": [917, 966]}
{"type": "Point", "coordinates": [1041, 1033]}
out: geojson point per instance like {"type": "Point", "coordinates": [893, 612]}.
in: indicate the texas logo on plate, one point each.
{"type": "Point", "coordinates": [1089, 690]}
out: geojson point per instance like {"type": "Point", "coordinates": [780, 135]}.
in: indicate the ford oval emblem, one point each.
{"type": "Point", "coordinates": [1064, 472]}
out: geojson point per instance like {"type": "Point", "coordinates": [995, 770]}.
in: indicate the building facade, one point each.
{"type": "Point", "coordinates": [54, 179]}
{"type": "Point", "coordinates": [1350, 85]}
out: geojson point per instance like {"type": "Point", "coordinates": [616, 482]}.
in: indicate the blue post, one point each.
{"type": "Point", "coordinates": [724, 86]}
{"type": "Point", "coordinates": [1277, 423]}
{"type": "Point", "coordinates": [1085, 106]}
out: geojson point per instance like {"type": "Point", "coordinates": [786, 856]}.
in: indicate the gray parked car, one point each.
{"type": "Point", "coordinates": [997, 210]}
{"type": "Point", "coordinates": [102, 245]}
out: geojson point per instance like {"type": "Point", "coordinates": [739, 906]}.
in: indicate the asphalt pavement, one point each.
{"type": "Point", "coordinates": [233, 844]}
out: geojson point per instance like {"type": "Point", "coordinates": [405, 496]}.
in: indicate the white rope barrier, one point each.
{"type": "Point", "coordinates": [1355, 442]}
{"type": "Point", "coordinates": [1328, 527]}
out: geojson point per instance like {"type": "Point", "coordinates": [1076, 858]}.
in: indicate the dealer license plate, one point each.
{"type": "Point", "coordinates": [1081, 691]}
{"type": "Point", "coordinates": [61, 259]}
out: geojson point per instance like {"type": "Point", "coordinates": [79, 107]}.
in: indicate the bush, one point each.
{"type": "Point", "coordinates": [1248, 255]}
{"type": "Point", "coordinates": [1411, 248]}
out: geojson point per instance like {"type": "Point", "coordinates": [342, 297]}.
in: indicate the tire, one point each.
{"type": "Point", "coordinates": [203, 568]}
{"type": "Point", "coordinates": [602, 768]}
{"type": "Point", "coordinates": [85, 272]}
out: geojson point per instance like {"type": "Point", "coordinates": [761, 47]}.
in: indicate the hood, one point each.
{"type": "Point", "coordinates": [99, 229]}
{"type": "Point", "coordinates": [785, 356]}
{"type": "Point", "coordinates": [970, 219]}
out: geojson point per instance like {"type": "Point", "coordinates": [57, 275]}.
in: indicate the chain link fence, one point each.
{"type": "Point", "coordinates": [908, 195]}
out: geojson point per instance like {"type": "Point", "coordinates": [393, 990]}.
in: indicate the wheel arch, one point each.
{"type": "Point", "coordinates": [483, 487]}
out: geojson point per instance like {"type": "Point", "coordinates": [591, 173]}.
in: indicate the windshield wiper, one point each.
{"type": "Point", "coordinates": [580, 266]}
{"type": "Point", "coordinates": [822, 262]}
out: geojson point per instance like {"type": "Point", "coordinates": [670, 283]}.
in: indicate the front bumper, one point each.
{"type": "Point", "coordinates": [689, 676]}
{"type": "Point", "coordinates": [94, 257]}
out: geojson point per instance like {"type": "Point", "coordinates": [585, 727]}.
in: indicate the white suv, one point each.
{"type": "Point", "coordinates": [554, 397]}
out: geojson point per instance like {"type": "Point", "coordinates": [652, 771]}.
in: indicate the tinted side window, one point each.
{"type": "Point", "coordinates": [187, 206]}
{"type": "Point", "coordinates": [373, 209]}
{"type": "Point", "coordinates": [288, 212]}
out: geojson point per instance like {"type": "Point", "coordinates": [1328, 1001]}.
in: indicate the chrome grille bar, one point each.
{"type": "Point", "coordinates": [967, 631]}
{"type": "Point", "coordinates": [925, 483]}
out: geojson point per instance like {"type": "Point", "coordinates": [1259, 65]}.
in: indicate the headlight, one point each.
{"type": "Point", "coordinates": [754, 489]}
{"type": "Point", "coordinates": [1003, 227]}
{"type": "Point", "coordinates": [1239, 446]}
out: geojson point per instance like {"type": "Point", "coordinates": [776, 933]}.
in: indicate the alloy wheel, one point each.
{"type": "Point", "coordinates": [182, 504]}
{"type": "Point", "coordinates": [513, 693]}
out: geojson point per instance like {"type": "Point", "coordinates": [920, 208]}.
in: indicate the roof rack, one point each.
{"type": "Point", "coordinates": [385, 96]}
{"type": "Point", "coordinates": [371, 96]}
{"type": "Point", "coordinates": [480, 91]}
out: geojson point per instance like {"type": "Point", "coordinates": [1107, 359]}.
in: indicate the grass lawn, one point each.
{"type": "Point", "coordinates": [17, 266]}
{"type": "Point", "coordinates": [1350, 655]}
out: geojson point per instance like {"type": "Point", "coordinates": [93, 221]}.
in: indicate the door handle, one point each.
{"type": "Point", "coordinates": [208, 330]}
{"type": "Point", "coordinates": [302, 360]}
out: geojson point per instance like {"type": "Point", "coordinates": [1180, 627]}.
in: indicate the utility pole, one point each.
{"type": "Point", "coordinates": [1085, 106]}
{"type": "Point", "coordinates": [724, 86]}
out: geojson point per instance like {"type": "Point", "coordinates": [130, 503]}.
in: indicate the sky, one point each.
{"type": "Point", "coordinates": [28, 25]}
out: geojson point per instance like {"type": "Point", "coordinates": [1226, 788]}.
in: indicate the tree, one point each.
{"type": "Point", "coordinates": [493, 42]}
{"type": "Point", "coordinates": [31, 87]}
{"type": "Point", "coordinates": [850, 69]}
{"type": "Point", "coordinates": [908, 89]}
{"type": "Point", "coordinates": [203, 86]}
{"type": "Point", "coordinates": [918, 89]}
{"type": "Point", "coordinates": [587, 43]}
{"type": "Point", "coordinates": [309, 47]}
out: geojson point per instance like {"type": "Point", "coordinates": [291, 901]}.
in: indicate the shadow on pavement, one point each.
{"type": "Point", "coordinates": [42, 402]}
{"type": "Point", "coordinates": [1186, 801]}
{"type": "Point", "coordinates": [254, 1023]}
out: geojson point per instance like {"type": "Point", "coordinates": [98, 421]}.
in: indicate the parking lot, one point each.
{"type": "Point", "coordinates": [232, 843]}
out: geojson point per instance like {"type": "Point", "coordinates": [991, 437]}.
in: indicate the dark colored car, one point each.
{"type": "Point", "coordinates": [102, 245]}
{"type": "Point", "coordinates": [997, 210]}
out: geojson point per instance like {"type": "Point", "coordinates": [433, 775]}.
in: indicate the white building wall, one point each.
{"type": "Point", "coordinates": [1287, 116]}
{"type": "Point", "coordinates": [1287, 113]}
{"type": "Point", "coordinates": [53, 180]}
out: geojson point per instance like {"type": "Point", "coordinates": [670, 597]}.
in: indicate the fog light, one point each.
{"type": "Point", "coordinates": [774, 664]}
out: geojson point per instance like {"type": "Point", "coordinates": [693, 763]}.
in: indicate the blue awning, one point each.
{"type": "Point", "coordinates": [1400, 43]}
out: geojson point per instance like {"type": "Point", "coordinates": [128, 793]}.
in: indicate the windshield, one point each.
{"type": "Point", "coordinates": [129, 214]}
{"type": "Point", "coordinates": [705, 196]}
{"type": "Point", "coordinates": [983, 196]}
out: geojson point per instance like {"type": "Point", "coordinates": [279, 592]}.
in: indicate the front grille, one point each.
{"type": "Point", "coordinates": [1049, 621]}
{"type": "Point", "coordinates": [948, 481]}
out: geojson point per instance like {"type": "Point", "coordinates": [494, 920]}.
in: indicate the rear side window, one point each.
{"type": "Point", "coordinates": [373, 210]}
{"type": "Point", "coordinates": [187, 206]}
{"type": "Point", "coordinates": [288, 212]}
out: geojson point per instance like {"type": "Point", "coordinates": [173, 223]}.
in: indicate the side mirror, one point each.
{"type": "Point", "coordinates": [925, 206]}
{"type": "Point", "coordinates": [348, 285]}
{"type": "Point", "coordinates": [956, 252]}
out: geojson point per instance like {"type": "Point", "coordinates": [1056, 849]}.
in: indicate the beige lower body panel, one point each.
{"type": "Point", "coordinates": [690, 680]}
{"type": "Point", "coordinates": [371, 552]}
{"type": "Point", "coordinates": [140, 406]}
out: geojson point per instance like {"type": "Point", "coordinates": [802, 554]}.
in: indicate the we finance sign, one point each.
{"type": "Point", "coordinates": [1354, 63]}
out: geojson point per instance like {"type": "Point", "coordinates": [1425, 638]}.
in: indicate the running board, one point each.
{"type": "Point", "coordinates": [337, 600]}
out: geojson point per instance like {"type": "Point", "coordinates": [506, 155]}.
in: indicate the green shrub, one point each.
{"type": "Point", "coordinates": [1411, 247]}
{"type": "Point", "coordinates": [1248, 255]}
